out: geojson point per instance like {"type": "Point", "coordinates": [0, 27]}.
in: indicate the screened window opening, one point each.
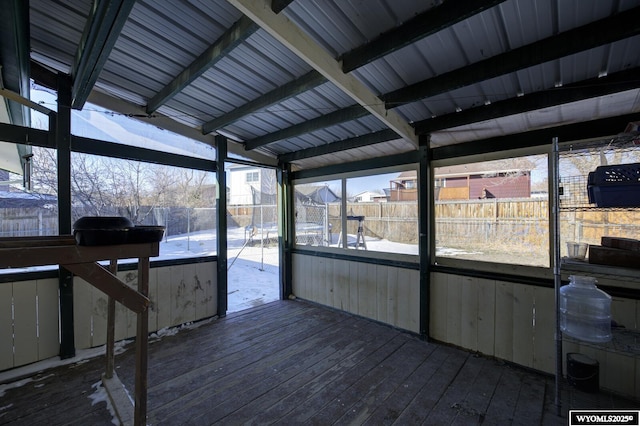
{"type": "Point", "coordinates": [378, 213]}
{"type": "Point", "coordinates": [494, 211]}
{"type": "Point", "coordinates": [597, 198]}
{"type": "Point", "coordinates": [182, 200]}
{"type": "Point", "coordinates": [318, 217]}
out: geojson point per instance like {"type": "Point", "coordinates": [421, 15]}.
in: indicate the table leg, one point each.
{"type": "Point", "coordinates": [142, 339]}
{"type": "Point", "coordinates": [111, 319]}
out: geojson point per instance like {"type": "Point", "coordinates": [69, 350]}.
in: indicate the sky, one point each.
{"type": "Point", "coordinates": [99, 123]}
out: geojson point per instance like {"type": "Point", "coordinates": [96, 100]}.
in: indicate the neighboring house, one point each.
{"type": "Point", "coordinates": [26, 200]}
{"type": "Point", "coordinates": [17, 198]}
{"type": "Point", "coordinates": [404, 187]}
{"type": "Point", "coordinates": [251, 185]}
{"type": "Point", "coordinates": [370, 197]}
{"type": "Point", "coordinates": [248, 185]}
{"type": "Point", "coordinates": [466, 182]}
{"type": "Point", "coordinates": [315, 194]}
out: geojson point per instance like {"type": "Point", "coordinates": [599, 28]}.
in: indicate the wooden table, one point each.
{"type": "Point", "coordinates": [82, 261]}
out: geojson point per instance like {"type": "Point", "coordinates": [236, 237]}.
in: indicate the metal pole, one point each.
{"type": "Point", "coordinates": [261, 238]}
{"type": "Point", "coordinates": [221, 234]}
{"type": "Point", "coordinates": [425, 230]}
{"type": "Point", "coordinates": [555, 240]}
{"type": "Point", "coordinates": [62, 134]}
{"type": "Point", "coordinates": [343, 211]}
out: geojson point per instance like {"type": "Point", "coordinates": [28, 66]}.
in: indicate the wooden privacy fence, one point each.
{"type": "Point", "coordinates": [499, 224]}
{"type": "Point", "coordinates": [22, 222]}
{"type": "Point", "coordinates": [493, 223]}
{"type": "Point", "coordinates": [457, 222]}
{"type": "Point", "coordinates": [39, 221]}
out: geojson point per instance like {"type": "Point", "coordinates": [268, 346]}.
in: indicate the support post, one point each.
{"type": "Point", "coordinates": [343, 208]}
{"type": "Point", "coordinates": [425, 229]}
{"type": "Point", "coordinates": [62, 133]}
{"type": "Point", "coordinates": [111, 326]}
{"type": "Point", "coordinates": [142, 347]}
{"type": "Point", "coordinates": [221, 237]}
{"type": "Point", "coordinates": [286, 236]}
{"type": "Point", "coordinates": [554, 240]}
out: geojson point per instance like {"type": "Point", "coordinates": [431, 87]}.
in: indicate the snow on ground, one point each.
{"type": "Point", "coordinates": [100, 395]}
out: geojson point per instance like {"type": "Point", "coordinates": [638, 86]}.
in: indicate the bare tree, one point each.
{"type": "Point", "coordinates": [105, 186]}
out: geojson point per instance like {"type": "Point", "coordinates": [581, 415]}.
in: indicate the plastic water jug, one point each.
{"type": "Point", "coordinates": [585, 310]}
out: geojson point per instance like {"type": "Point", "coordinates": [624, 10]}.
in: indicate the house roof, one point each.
{"type": "Point", "coordinates": [316, 193]}
{"type": "Point", "coordinates": [320, 83]}
{"type": "Point", "coordinates": [24, 199]}
{"type": "Point", "coordinates": [481, 168]}
{"type": "Point", "coordinates": [371, 193]}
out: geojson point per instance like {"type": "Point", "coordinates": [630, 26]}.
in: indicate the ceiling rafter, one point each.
{"type": "Point", "coordinates": [279, 5]}
{"type": "Point", "coordinates": [291, 36]}
{"type": "Point", "coordinates": [342, 145]}
{"type": "Point", "coordinates": [576, 39]}
{"type": "Point", "coordinates": [302, 84]}
{"type": "Point", "coordinates": [601, 128]}
{"type": "Point", "coordinates": [105, 22]}
{"type": "Point", "coordinates": [478, 72]}
{"type": "Point", "coordinates": [592, 88]}
{"type": "Point", "coordinates": [418, 27]}
{"type": "Point", "coordinates": [242, 29]}
{"type": "Point", "coordinates": [14, 73]}
{"type": "Point", "coordinates": [321, 122]}
{"type": "Point", "coordinates": [608, 30]}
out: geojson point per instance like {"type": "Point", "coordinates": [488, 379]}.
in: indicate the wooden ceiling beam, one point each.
{"type": "Point", "coordinates": [342, 145]}
{"type": "Point", "coordinates": [565, 133]}
{"type": "Point", "coordinates": [421, 26]}
{"type": "Point", "coordinates": [321, 122]}
{"type": "Point", "coordinates": [288, 90]}
{"type": "Point", "coordinates": [418, 27]}
{"type": "Point", "coordinates": [291, 36]}
{"type": "Point", "coordinates": [587, 89]}
{"type": "Point", "coordinates": [236, 34]}
{"type": "Point", "coordinates": [608, 30]}
{"type": "Point", "coordinates": [103, 27]}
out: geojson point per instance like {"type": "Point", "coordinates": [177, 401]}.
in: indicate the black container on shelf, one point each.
{"type": "Point", "coordinates": [145, 234]}
{"type": "Point", "coordinates": [109, 230]}
{"type": "Point", "coordinates": [583, 372]}
{"type": "Point", "coordinates": [615, 186]}
{"type": "Point", "coordinates": [101, 230]}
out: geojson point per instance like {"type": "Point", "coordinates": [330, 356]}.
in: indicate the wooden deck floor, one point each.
{"type": "Point", "coordinates": [292, 362]}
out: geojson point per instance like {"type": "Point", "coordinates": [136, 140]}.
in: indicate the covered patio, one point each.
{"type": "Point", "coordinates": [183, 114]}
{"type": "Point", "coordinates": [295, 362]}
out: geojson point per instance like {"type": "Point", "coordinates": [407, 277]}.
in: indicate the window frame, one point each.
{"type": "Point", "coordinates": [401, 258]}
{"type": "Point", "coordinates": [541, 272]}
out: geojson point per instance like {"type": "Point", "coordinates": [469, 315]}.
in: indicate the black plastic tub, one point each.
{"type": "Point", "coordinates": [583, 372]}
{"type": "Point", "coordinates": [101, 230]}
{"type": "Point", "coordinates": [145, 234]}
{"type": "Point", "coordinates": [110, 230]}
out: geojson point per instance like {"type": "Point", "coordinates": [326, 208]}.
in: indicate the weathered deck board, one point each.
{"type": "Point", "coordinates": [293, 362]}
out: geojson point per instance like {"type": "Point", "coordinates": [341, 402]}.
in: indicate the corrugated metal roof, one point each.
{"type": "Point", "coordinates": [160, 40]}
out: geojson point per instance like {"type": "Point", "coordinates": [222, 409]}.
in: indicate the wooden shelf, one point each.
{"type": "Point", "coordinates": [623, 341]}
{"type": "Point", "coordinates": [82, 261]}
{"type": "Point", "coordinates": [577, 267]}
